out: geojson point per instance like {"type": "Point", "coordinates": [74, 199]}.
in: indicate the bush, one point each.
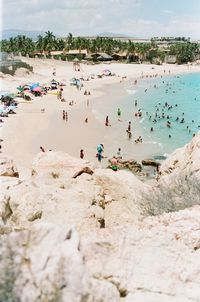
{"type": "Point", "coordinates": [9, 272]}
{"type": "Point", "coordinates": [183, 193]}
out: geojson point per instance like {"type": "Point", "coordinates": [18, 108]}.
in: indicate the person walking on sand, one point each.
{"type": "Point", "coordinates": [129, 134]}
{"type": "Point", "coordinates": [129, 126]}
{"type": "Point", "coordinates": [66, 116]}
{"type": "Point", "coordinates": [42, 149]}
{"type": "Point", "coordinates": [63, 115]}
{"type": "Point", "coordinates": [107, 121]}
{"type": "Point", "coordinates": [81, 154]}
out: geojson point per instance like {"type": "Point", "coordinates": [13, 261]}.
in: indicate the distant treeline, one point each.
{"type": "Point", "coordinates": [184, 50]}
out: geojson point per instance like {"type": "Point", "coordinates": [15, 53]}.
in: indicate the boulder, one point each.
{"type": "Point", "coordinates": [129, 164]}
{"type": "Point", "coordinates": [150, 162]}
{"type": "Point", "coordinates": [46, 264]}
{"type": "Point", "coordinates": [183, 161]}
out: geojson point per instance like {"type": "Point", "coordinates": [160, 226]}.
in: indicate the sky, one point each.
{"type": "Point", "coordinates": [136, 18]}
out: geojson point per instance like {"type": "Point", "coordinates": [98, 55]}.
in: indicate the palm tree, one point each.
{"type": "Point", "coordinates": [69, 40]}
{"type": "Point", "coordinates": [49, 42]}
{"type": "Point", "coordinates": [40, 44]}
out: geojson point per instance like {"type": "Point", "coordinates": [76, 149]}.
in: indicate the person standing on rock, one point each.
{"type": "Point", "coordinates": [100, 149]}
{"type": "Point", "coordinates": [119, 153]}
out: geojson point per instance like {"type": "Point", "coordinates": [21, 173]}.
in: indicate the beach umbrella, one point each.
{"type": "Point", "coordinates": [34, 85]}
{"type": "Point", "coordinates": [26, 87]}
{"type": "Point", "coordinates": [20, 89]}
{"type": "Point", "coordinates": [106, 72]}
{"type": "Point", "coordinates": [76, 60]}
{"type": "Point", "coordinates": [38, 89]}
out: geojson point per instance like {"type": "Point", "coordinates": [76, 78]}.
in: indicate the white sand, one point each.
{"type": "Point", "coordinates": [29, 129]}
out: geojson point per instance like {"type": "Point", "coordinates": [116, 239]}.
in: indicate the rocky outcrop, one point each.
{"type": "Point", "coordinates": [154, 260]}
{"type": "Point", "coordinates": [7, 167]}
{"type": "Point", "coordinates": [184, 161]}
{"type": "Point", "coordinates": [150, 162]}
{"type": "Point", "coordinates": [86, 238]}
{"type": "Point", "coordinates": [64, 189]}
{"type": "Point", "coordinates": [129, 164]}
{"type": "Point", "coordinates": [47, 264]}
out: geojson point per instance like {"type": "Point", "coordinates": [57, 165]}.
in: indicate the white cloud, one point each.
{"type": "Point", "coordinates": [84, 17]}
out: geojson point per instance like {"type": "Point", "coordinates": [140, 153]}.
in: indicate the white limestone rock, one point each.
{"type": "Point", "coordinates": [7, 167]}
{"type": "Point", "coordinates": [185, 160]}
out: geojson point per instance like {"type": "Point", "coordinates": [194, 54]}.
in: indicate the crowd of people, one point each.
{"type": "Point", "coordinates": [161, 112]}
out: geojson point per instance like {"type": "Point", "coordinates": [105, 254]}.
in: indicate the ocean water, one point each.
{"type": "Point", "coordinates": [160, 99]}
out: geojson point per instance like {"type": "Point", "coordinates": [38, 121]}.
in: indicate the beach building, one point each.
{"type": "Point", "coordinates": [102, 56]}
{"type": "Point", "coordinates": [119, 56]}
{"type": "Point", "coordinates": [76, 53]}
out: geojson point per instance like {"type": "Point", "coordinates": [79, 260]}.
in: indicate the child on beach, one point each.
{"type": "Point", "coordinates": [107, 122]}
{"type": "Point", "coordinates": [119, 113]}
{"type": "Point", "coordinates": [119, 153]}
{"type": "Point", "coordinates": [42, 149]}
{"type": "Point", "coordinates": [81, 154]}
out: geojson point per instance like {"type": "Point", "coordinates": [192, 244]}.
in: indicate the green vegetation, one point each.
{"type": "Point", "coordinates": [184, 50]}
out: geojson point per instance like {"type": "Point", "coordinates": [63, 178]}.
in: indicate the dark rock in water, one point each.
{"type": "Point", "coordinates": [150, 162]}
{"type": "Point", "coordinates": [160, 157]}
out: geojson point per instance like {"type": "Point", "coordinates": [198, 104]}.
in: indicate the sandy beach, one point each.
{"type": "Point", "coordinates": [29, 129]}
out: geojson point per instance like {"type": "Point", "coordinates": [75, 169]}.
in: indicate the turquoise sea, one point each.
{"type": "Point", "coordinates": [160, 99]}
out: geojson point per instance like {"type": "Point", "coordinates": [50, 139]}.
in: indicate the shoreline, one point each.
{"type": "Point", "coordinates": [23, 144]}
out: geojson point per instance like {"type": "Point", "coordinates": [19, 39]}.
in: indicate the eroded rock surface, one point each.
{"type": "Point", "coordinates": [87, 238]}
